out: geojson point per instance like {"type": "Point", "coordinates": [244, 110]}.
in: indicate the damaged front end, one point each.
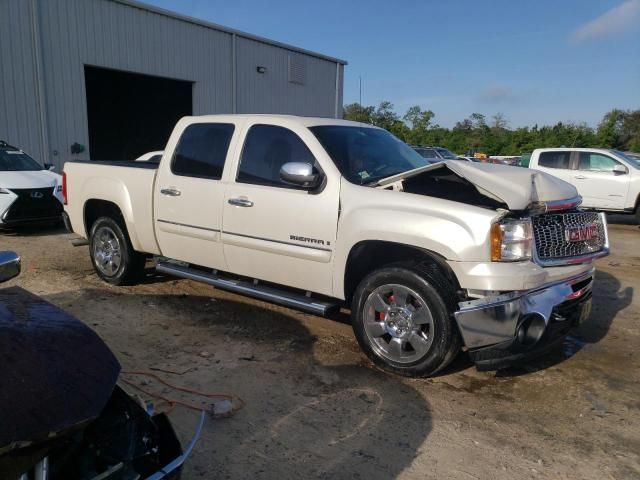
{"type": "Point", "coordinates": [62, 416]}
{"type": "Point", "coordinates": [537, 230]}
{"type": "Point", "coordinates": [502, 329]}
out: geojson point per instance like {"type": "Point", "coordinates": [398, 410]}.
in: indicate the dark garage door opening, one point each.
{"type": "Point", "coordinates": [131, 114]}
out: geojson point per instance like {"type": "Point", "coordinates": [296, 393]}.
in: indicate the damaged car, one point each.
{"type": "Point", "coordinates": [62, 414]}
{"type": "Point", "coordinates": [319, 214]}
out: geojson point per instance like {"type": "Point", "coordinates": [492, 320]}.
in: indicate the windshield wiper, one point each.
{"type": "Point", "coordinates": [373, 180]}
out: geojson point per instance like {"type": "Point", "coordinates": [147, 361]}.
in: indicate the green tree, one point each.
{"type": "Point", "coordinates": [358, 113]}
{"type": "Point", "coordinates": [618, 129]}
{"type": "Point", "coordinates": [418, 123]}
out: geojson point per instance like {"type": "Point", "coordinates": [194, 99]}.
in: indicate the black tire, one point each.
{"type": "Point", "coordinates": [436, 293]}
{"type": "Point", "coordinates": [129, 268]}
{"type": "Point", "coordinates": [637, 212]}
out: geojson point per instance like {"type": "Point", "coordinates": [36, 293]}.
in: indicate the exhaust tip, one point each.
{"type": "Point", "coordinates": [531, 329]}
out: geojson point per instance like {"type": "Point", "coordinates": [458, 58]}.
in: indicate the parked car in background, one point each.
{"type": "Point", "coordinates": [30, 193]}
{"type": "Point", "coordinates": [317, 213]}
{"type": "Point", "coordinates": [607, 180]}
{"type": "Point", "coordinates": [63, 415]}
{"type": "Point", "coordinates": [633, 156]}
{"type": "Point", "coordinates": [504, 160]}
{"type": "Point", "coordinates": [153, 157]}
{"type": "Point", "coordinates": [435, 154]}
{"type": "Point", "coordinates": [468, 159]}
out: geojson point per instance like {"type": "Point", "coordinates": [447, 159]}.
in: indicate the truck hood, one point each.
{"type": "Point", "coordinates": [56, 372]}
{"type": "Point", "coordinates": [30, 179]}
{"type": "Point", "coordinates": [515, 187]}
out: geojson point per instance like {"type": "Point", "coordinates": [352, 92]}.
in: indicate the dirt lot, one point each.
{"type": "Point", "coordinates": [315, 408]}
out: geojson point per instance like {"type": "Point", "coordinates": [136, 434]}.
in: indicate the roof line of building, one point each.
{"type": "Point", "coordinates": [215, 26]}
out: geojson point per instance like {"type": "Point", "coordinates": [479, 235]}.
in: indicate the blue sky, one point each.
{"type": "Point", "coordinates": [539, 61]}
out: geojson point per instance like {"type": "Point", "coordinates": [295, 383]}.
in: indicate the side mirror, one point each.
{"type": "Point", "coordinates": [48, 166]}
{"type": "Point", "coordinates": [620, 169]}
{"type": "Point", "coordinates": [300, 174]}
{"type": "Point", "coordinates": [9, 265]}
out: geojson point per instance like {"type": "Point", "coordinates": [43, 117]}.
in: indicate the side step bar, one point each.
{"type": "Point", "coordinates": [269, 294]}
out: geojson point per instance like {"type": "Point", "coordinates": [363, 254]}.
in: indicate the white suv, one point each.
{"type": "Point", "coordinates": [607, 180]}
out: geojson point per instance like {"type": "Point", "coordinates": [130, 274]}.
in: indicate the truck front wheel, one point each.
{"type": "Point", "coordinates": [401, 319]}
{"type": "Point", "coordinates": [112, 256]}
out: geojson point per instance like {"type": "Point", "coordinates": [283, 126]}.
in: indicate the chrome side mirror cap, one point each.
{"type": "Point", "coordinates": [9, 265]}
{"type": "Point", "coordinates": [620, 169]}
{"type": "Point", "coordinates": [301, 174]}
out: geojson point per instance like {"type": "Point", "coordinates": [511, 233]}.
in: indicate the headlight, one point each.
{"type": "Point", "coordinates": [4, 191]}
{"type": "Point", "coordinates": [511, 240]}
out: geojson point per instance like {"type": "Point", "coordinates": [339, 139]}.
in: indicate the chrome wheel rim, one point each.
{"type": "Point", "coordinates": [107, 253]}
{"type": "Point", "coordinates": [398, 323]}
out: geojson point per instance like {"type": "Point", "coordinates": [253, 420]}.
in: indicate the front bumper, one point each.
{"type": "Point", "coordinates": [507, 327]}
{"type": "Point", "coordinates": [29, 207]}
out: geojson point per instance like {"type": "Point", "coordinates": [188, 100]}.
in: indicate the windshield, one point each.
{"type": "Point", "coordinates": [632, 158]}
{"type": "Point", "coordinates": [17, 161]}
{"type": "Point", "coordinates": [364, 155]}
{"type": "Point", "coordinates": [444, 153]}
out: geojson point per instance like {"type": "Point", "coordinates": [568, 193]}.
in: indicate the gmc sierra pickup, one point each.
{"type": "Point", "coordinates": [316, 213]}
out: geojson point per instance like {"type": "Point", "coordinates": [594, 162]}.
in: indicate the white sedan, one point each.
{"type": "Point", "coordinates": [29, 193]}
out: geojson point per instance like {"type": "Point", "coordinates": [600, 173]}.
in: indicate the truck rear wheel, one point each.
{"type": "Point", "coordinates": [401, 316]}
{"type": "Point", "coordinates": [112, 256]}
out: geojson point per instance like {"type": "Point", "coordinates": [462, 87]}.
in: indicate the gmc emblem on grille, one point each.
{"type": "Point", "coordinates": [582, 233]}
{"type": "Point", "coordinates": [37, 195]}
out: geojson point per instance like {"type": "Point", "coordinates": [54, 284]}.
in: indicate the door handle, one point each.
{"type": "Point", "coordinates": [240, 202]}
{"type": "Point", "coordinates": [580, 177]}
{"type": "Point", "coordinates": [170, 192]}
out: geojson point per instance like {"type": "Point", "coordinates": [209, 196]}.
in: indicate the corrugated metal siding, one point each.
{"type": "Point", "coordinates": [340, 90]}
{"type": "Point", "coordinates": [114, 35]}
{"type": "Point", "coordinates": [272, 92]}
{"type": "Point", "coordinates": [19, 120]}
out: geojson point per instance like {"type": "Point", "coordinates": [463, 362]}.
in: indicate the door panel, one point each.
{"type": "Point", "coordinates": [274, 231]}
{"type": "Point", "coordinates": [596, 181]}
{"type": "Point", "coordinates": [189, 195]}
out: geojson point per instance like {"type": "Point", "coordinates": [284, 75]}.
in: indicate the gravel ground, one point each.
{"type": "Point", "coordinates": [316, 408]}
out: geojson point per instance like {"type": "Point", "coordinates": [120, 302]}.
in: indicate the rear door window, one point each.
{"type": "Point", "coordinates": [596, 162]}
{"type": "Point", "coordinates": [202, 150]}
{"type": "Point", "coordinates": [555, 159]}
{"type": "Point", "coordinates": [266, 149]}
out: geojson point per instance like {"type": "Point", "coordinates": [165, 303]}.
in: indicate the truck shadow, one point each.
{"type": "Point", "coordinates": [45, 230]}
{"type": "Point", "coordinates": [609, 298]}
{"type": "Point", "coordinates": [622, 219]}
{"type": "Point", "coordinates": [303, 418]}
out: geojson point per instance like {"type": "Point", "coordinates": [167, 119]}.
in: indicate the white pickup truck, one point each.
{"type": "Point", "coordinates": [318, 213]}
{"type": "Point", "coordinates": [607, 180]}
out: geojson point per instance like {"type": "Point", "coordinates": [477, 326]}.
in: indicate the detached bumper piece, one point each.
{"type": "Point", "coordinates": [508, 329]}
{"type": "Point", "coordinates": [33, 205]}
{"type": "Point", "coordinates": [124, 442]}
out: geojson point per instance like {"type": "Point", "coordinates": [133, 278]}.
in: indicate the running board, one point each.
{"type": "Point", "coordinates": [269, 294]}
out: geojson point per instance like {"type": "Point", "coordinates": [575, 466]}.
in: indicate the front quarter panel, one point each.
{"type": "Point", "coordinates": [452, 230]}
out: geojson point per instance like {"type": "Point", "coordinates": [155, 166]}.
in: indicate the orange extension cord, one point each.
{"type": "Point", "coordinates": [236, 402]}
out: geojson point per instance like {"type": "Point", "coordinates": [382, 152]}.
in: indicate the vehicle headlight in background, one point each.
{"type": "Point", "coordinates": [511, 240]}
{"type": "Point", "coordinates": [4, 191]}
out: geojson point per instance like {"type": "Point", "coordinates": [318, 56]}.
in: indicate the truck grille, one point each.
{"type": "Point", "coordinates": [32, 204]}
{"type": "Point", "coordinates": [561, 237]}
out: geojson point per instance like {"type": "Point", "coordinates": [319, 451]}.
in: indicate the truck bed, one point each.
{"type": "Point", "coordinates": [127, 184]}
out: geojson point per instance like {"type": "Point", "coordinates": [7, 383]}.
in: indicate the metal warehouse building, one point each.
{"type": "Point", "coordinates": [107, 79]}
